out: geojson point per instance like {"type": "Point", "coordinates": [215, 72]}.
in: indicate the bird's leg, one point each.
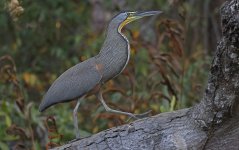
{"type": "Point", "coordinates": [108, 109]}
{"type": "Point", "coordinates": [77, 132]}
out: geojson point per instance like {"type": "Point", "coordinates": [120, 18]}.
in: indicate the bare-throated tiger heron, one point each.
{"type": "Point", "coordinates": [91, 74]}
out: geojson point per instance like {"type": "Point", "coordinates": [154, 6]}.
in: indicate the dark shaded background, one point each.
{"type": "Point", "coordinates": [170, 57]}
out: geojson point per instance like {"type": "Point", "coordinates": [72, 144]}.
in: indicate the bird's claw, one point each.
{"type": "Point", "coordinates": [143, 115]}
{"type": "Point", "coordinates": [139, 116]}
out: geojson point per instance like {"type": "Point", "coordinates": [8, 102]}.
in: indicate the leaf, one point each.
{"type": "Point", "coordinates": [173, 103]}
{"type": "Point", "coordinates": [30, 78]}
{"type": "Point", "coordinates": [8, 120]}
{"type": "Point", "coordinates": [135, 34]}
{"type": "Point", "coordinates": [3, 146]}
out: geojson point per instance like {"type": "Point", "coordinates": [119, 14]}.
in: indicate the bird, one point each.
{"type": "Point", "coordinates": [87, 77]}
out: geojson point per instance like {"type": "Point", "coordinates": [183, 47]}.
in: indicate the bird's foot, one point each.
{"type": "Point", "coordinates": [74, 140]}
{"type": "Point", "coordinates": [77, 134]}
{"type": "Point", "coordinates": [139, 116]}
{"type": "Point", "coordinates": [143, 115]}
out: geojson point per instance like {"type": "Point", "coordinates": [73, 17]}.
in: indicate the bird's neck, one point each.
{"type": "Point", "coordinates": [114, 54]}
{"type": "Point", "coordinates": [115, 40]}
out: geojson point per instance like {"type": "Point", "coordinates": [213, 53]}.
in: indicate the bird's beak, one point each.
{"type": "Point", "coordinates": [137, 15]}
{"type": "Point", "coordinates": [141, 14]}
{"type": "Point", "coordinates": [132, 16]}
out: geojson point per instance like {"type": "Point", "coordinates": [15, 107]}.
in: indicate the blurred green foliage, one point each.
{"type": "Point", "coordinates": [165, 72]}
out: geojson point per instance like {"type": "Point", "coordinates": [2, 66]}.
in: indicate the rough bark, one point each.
{"type": "Point", "coordinates": [212, 124]}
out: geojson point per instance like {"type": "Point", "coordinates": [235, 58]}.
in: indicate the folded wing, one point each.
{"type": "Point", "coordinates": [73, 83]}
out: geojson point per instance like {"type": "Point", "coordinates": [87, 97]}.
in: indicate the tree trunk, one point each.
{"type": "Point", "coordinates": [212, 124]}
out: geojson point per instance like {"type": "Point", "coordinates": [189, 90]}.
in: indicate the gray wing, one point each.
{"type": "Point", "coordinates": [73, 83]}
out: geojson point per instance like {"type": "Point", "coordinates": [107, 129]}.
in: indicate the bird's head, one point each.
{"type": "Point", "coordinates": [126, 17]}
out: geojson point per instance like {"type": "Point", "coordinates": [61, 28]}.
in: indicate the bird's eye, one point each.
{"type": "Point", "coordinates": [130, 14]}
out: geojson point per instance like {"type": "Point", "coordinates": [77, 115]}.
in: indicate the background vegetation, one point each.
{"type": "Point", "coordinates": [39, 40]}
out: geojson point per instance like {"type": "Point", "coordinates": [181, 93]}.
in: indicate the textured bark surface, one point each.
{"type": "Point", "coordinates": [212, 124]}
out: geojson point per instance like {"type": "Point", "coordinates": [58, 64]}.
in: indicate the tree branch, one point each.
{"type": "Point", "coordinates": [212, 124]}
